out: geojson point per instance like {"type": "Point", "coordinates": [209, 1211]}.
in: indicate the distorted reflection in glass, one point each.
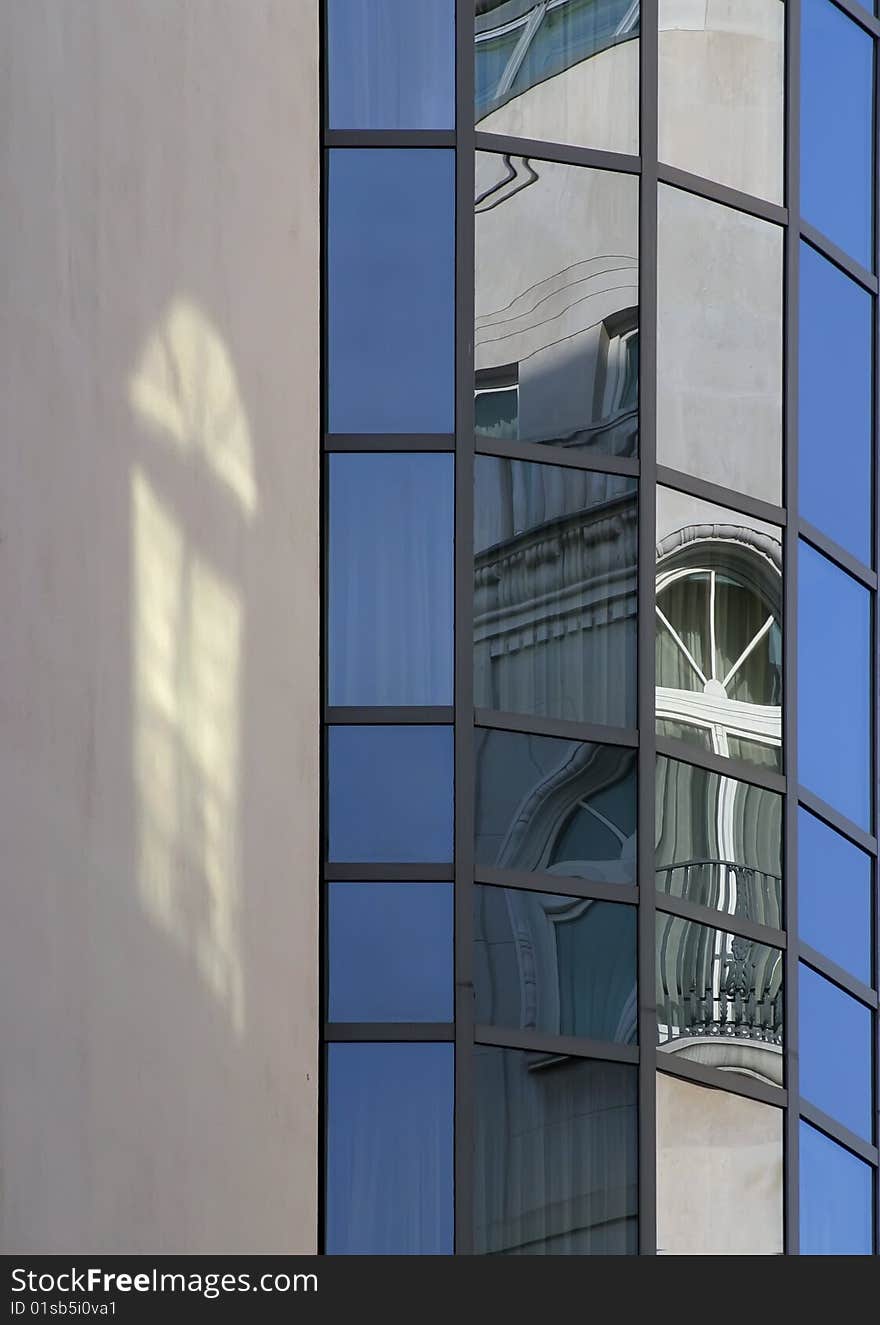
{"type": "Point", "coordinates": [391, 64]}
{"type": "Point", "coordinates": [836, 1190]}
{"type": "Point", "coordinates": [555, 592]}
{"type": "Point", "coordinates": [719, 629]}
{"type": "Point", "coordinates": [566, 71]}
{"type": "Point", "coordinates": [719, 344]}
{"type": "Point", "coordinates": [557, 290]}
{"type": "Point", "coordinates": [719, 842]}
{"type": "Point", "coordinates": [719, 999]}
{"type": "Point", "coordinates": [719, 1173]}
{"type": "Point", "coordinates": [721, 92]}
{"type": "Point", "coordinates": [560, 807]}
{"type": "Point", "coordinates": [556, 1153]}
{"type": "Point", "coordinates": [563, 965]}
{"type": "Point", "coordinates": [389, 1149]}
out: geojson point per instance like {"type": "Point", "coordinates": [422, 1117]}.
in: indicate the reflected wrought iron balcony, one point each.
{"type": "Point", "coordinates": [725, 886]}
{"type": "Point", "coordinates": [712, 984]}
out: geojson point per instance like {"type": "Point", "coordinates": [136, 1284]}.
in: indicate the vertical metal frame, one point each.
{"type": "Point", "coordinates": [875, 630]}
{"type": "Point", "coordinates": [789, 570]}
{"type": "Point", "coordinates": [464, 634]}
{"type": "Point", "coordinates": [647, 555]}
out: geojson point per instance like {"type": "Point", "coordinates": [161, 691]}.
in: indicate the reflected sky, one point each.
{"type": "Point", "coordinates": [834, 686]}
{"type": "Point", "coordinates": [834, 895]}
{"type": "Point", "coordinates": [390, 793]}
{"type": "Point", "coordinates": [834, 383]}
{"type": "Point", "coordinates": [390, 951]}
{"type": "Point", "coordinates": [835, 1052]}
{"type": "Point", "coordinates": [835, 1198]}
{"type": "Point", "coordinates": [389, 1149]}
{"type": "Point", "coordinates": [390, 609]}
{"type": "Point", "coordinates": [391, 64]}
{"type": "Point", "coordinates": [836, 127]}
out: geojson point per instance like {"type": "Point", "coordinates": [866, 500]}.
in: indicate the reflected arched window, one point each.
{"type": "Point", "coordinates": [719, 641]}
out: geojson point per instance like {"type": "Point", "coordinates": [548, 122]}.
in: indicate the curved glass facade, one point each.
{"type": "Point", "coordinates": [599, 881]}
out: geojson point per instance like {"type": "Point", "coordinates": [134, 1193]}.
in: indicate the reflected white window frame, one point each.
{"type": "Point", "coordinates": [621, 331]}
{"type": "Point", "coordinates": [501, 381]}
{"type": "Point", "coordinates": [712, 710]}
{"type": "Point", "coordinates": [530, 23]}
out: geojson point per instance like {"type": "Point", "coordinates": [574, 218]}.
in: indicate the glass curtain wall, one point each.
{"type": "Point", "coordinates": [600, 906]}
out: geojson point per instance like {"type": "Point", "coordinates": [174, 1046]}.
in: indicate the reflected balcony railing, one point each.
{"type": "Point", "coordinates": [726, 886]}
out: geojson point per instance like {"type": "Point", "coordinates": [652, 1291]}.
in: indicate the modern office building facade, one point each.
{"type": "Point", "coordinates": [466, 841]}
{"type": "Point", "coordinates": [599, 763]}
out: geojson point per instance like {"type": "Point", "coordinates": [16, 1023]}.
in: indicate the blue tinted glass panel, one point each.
{"type": "Point", "coordinates": [555, 611]}
{"type": "Point", "coordinates": [389, 1149]}
{"type": "Point", "coordinates": [834, 896]}
{"type": "Point", "coordinates": [835, 1052]}
{"type": "Point", "coordinates": [834, 686]}
{"type": "Point", "coordinates": [391, 64]}
{"type": "Point", "coordinates": [391, 579]}
{"type": "Point", "coordinates": [390, 285]}
{"type": "Point", "coordinates": [390, 951]}
{"type": "Point", "coordinates": [836, 127]}
{"type": "Point", "coordinates": [564, 965]}
{"type": "Point", "coordinates": [390, 793]}
{"type": "Point", "coordinates": [835, 404]}
{"type": "Point", "coordinates": [835, 1207]}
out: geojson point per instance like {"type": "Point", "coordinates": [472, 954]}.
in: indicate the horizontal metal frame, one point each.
{"type": "Point", "coordinates": [566, 1046]}
{"type": "Point", "coordinates": [388, 872]}
{"type": "Point", "coordinates": [546, 454]}
{"type": "Point", "coordinates": [556, 885]}
{"type": "Point", "coordinates": [837, 975]}
{"type": "Point", "coordinates": [388, 1032]}
{"type": "Point", "coordinates": [823, 1122]}
{"type": "Point", "coordinates": [728, 924]}
{"type": "Point", "coordinates": [569, 731]}
{"type": "Point", "coordinates": [844, 560]}
{"type": "Point", "coordinates": [839, 822]}
{"type": "Point", "coordinates": [715, 1078]}
{"type": "Point", "coordinates": [712, 191]}
{"type": "Point", "coordinates": [863, 17]}
{"type": "Point", "coordinates": [380, 442]}
{"type": "Point", "coordinates": [827, 247]}
{"type": "Point", "coordinates": [790, 401]}
{"type": "Point", "coordinates": [686, 753]}
{"type": "Point", "coordinates": [381, 716]}
{"type": "Point", "coordinates": [718, 495]}
{"type": "Point", "coordinates": [564, 154]}
{"type": "Point", "coordinates": [389, 138]}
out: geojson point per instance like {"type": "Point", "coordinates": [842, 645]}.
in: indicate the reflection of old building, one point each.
{"type": "Point", "coordinates": [554, 592]}
{"type": "Point", "coordinates": [556, 341]}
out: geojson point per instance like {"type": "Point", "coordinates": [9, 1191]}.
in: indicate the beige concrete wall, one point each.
{"type": "Point", "coordinates": [158, 658]}
{"type": "Point", "coordinates": [719, 1173]}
